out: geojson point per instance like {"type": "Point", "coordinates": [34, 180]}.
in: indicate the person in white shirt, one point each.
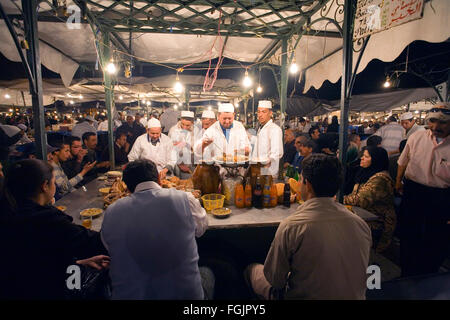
{"type": "Point", "coordinates": [182, 136]}
{"type": "Point", "coordinates": [409, 124]}
{"type": "Point", "coordinates": [269, 146]}
{"type": "Point", "coordinates": [208, 118]}
{"type": "Point", "coordinates": [151, 238]}
{"type": "Point", "coordinates": [304, 126]}
{"type": "Point", "coordinates": [103, 126]}
{"type": "Point", "coordinates": [392, 134]}
{"type": "Point", "coordinates": [154, 146]}
{"type": "Point", "coordinates": [82, 127]}
{"type": "Point", "coordinates": [226, 136]}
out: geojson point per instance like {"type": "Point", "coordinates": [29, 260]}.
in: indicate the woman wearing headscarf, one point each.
{"type": "Point", "coordinates": [374, 191]}
{"type": "Point", "coordinates": [334, 126]}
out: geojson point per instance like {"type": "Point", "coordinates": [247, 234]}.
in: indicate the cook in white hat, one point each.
{"type": "Point", "coordinates": [156, 147]}
{"type": "Point", "coordinates": [269, 145]}
{"type": "Point", "coordinates": [227, 134]}
{"type": "Point", "coordinates": [409, 124]}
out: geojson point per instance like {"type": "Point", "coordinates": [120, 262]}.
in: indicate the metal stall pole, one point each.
{"type": "Point", "coordinates": [345, 86]}
{"type": "Point", "coordinates": [283, 92]}
{"type": "Point", "coordinates": [109, 95]}
{"type": "Point", "coordinates": [29, 8]}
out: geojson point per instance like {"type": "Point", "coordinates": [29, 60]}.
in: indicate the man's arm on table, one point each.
{"type": "Point", "coordinates": [199, 215]}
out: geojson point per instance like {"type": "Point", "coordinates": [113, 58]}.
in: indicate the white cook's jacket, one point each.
{"type": "Point", "coordinates": [238, 140]}
{"type": "Point", "coordinates": [269, 146]}
{"type": "Point", "coordinates": [183, 143]}
{"type": "Point", "coordinates": [162, 154]}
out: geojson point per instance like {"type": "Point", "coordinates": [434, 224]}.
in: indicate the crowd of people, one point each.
{"type": "Point", "coordinates": [399, 160]}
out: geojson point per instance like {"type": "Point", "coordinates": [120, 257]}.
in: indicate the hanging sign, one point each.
{"type": "Point", "coordinates": [373, 16]}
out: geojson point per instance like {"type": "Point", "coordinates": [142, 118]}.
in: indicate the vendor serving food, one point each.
{"type": "Point", "coordinates": [154, 146]}
{"type": "Point", "coordinates": [225, 137]}
{"type": "Point", "coordinates": [269, 144]}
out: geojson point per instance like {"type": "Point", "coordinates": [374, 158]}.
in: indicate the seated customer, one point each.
{"type": "Point", "coordinates": [72, 166]}
{"type": "Point", "coordinates": [374, 191]}
{"type": "Point", "coordinates": [90, 143]}
{"type": "Point", "coordinates": [60, 154]}
{"type": "Point", "coordinates": [322, 250]}
{"type": "Point", "coordinates": [38, 242]}
{"type": "Point", "coordinates": [150, 236]}
{"type": "Point", "coordinates": [121, 149]}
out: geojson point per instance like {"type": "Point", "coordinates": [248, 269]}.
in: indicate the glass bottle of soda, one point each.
{"type": "Point", "coordinates": [239, 196]}
{"type": "Point", "coordinates": [266, 193]}
{"type": "Point", "coordinates": [248, 194]}
{"type": "Point", "coordinates": [273, 196]}
{"type": "Point", "coordinates": [287, 195]}
{"type": "Point", "coordinates": [257, 194]}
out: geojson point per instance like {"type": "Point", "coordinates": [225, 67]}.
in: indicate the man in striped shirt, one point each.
{"type": "Point", "coordinates": [63, 184]}
{"type": "Point", "coordinates": [392, 134]}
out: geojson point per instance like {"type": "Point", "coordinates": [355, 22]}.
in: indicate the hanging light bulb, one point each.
{"type": "Point", "coordinates": [387, 83]}
{"type": "Point", "coordinates": [81, 96]}
{"type": "Point", "coordinates": [180, 104]}
{"type": "Point", "coordinates": [149, 103]}
{"type": "Point", "coordinates": [72, 102]}
{"type": "Point", "coordinates": [247, 82]}
{"type": "Point", "coordinates": [259, 89]}
{"type": "Point", "coordinates": [293, 68]}
{"type": "Point", "coordinates": [175, 107]}
{"type": "Point", "coordinates": [7, 96]}
{"type": "Point", "coordinates": [121, 97]}
{"type": "Point", "coordinates": [111, 67]}
{"type": "Point", "coordinates": [209, 108]}
{"type": "Point", "coordinates": [144, 101]}
{"type": "Point", "coordinates": [178, 87]}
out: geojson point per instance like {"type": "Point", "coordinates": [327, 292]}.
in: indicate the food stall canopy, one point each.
{"type": "Point", "coordinates": [139, 88]}
{"type": "Point", "coordinates": [386, 46]}
{"type": "Point", "coordinates": [373, 102]}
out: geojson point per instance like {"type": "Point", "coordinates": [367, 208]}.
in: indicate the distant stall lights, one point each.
{"type": "Point", "coordinates": [81, 96]}
{"type": "Point", "coordinates": [7, 96]}
{"type": "Point", "coordinates": [72, 102]}
{"type": "Point", "coordinates": [149, 103]}
{"type": "Point", "coordinates": [121, 97]}
{"type": "Point", "coordinates": [259, 89]}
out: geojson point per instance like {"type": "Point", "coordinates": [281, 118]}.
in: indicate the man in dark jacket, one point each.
{"type": "Point", "coordinates": [132, 129]}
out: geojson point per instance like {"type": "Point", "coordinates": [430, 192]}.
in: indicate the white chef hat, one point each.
{"type": "Point", "coordinates": [187, 114]}
{"type": "Point", "coordinates": [208, 114]}
{"type": "Point", "coordinates": [265, 104]}
{"type": "Point", "coordinates": [406, 116]}
{"type": "Point", "coordinates": [226, 107]}
{"type": "Point", "coordinates": [153, 123]}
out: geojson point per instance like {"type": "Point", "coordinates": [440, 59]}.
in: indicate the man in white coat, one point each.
{"type": "Point", "coordinates": [155, 146]}
{"type": "Point", "coordinates": [409, 124]}
{"type": "Point", "coordinates": [269, 144]}
{"type": "Point", "coordinates": [225, 136]}
{"type": "Point", "coordinates": [182, 136]}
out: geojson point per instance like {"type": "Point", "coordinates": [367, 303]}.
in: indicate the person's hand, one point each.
{"type": "Point", "coordinates": [163, 173]}
{"type": "Point", "coordinates": [206, 142]}
{"type": "Point", "coordinates": [247, 151]}
{"type": "Point", "coordinates": [184, 168]}
{"type": "Point", "coordinates": [104, 164]}
{"type": "Point", "coordinates": [399, 187]}
{"type": "Point", "coordinates": [88, 167]}
{"type": "Point", "coordinates": [98, 262]}
{"type": "Point", "coordinates": [81, 154]}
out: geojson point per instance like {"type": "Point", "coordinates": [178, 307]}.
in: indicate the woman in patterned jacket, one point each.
{"type": "Point", "coordinates": [374, 191]}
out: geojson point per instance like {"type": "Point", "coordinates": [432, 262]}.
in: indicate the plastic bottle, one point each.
{"type": "Point", "coordinates": [287, 195]}
{"type": "Point", "coordinates": [273, 196]}
{"type": "Point", "coordinates": [239, 196]}
{"type": "Point", "coordinates": [258, 194]}
{"type": "Point", "coordinates": [248, 194]}
{"type": "Point", "coordinates": [266, 194]}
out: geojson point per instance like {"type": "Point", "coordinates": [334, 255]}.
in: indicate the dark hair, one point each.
{"type": "Point", "coordinates": [310, 144]}
{"type": "Point", "coordinates": [59, 145]}
{"type": "Point", "coordinates": [376, 126]}
{"type": "Point", "coordinates": [73, 139]}
{"type": "Point", "coordinates": [86, 135]}
{"type": "Point", "coordinates": [120, 134]}
{"type": "Point", "coordinates": [380, 162]}
{"type": "Point", "coordinates": [35, 172]}
{"type": "Point", "coordinates": [392, 119]}
{"type": "Point", "coordinates": [374, 141]}
{"type": "Point", "coordinates": [402, 145]}
{"type": "Point", "coordinates": [334, 119]}
{"type": "Point", "coordinates": [302, 119]}
{"type": "Point", "coordinates": [324, 172]}
{"type": "Point", "coordinates": [139, 171]}
{"type": "Point", "coordinates": [353, 137]}
{"type": "Point", "coordinates": [311, 130]}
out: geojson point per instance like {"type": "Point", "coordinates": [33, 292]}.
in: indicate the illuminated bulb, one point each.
{"type": "Point", "coordinates": [121, 97]}
{"type": "Point", "coordinates": [247, 82]}
{"type": "Point", "coordinates": [416, 111]}
{"type": "Point", "coordinates": [180, 104]}
{"type": "Point", "coordinates": [11, 110]}
{"type": "Point", "coordinates": [111, 68]}
{"type": "Point", "coordinates": [71, 102]}
{"type": "Point", "coordinates": [81, 96]}
{"type": "Point", "coordinates": [293, 68]}
{"type": "Point", "coordinates": [259, 89]}
{"type": "Point", "coordinates": [178, 87]}
{"type": "Point", "coordinates": [387, 83]}
{"type": "Point", "coordinates": [144, 101]}
{"type": "Point", "coordinates": [175, 107]}
{"type": "Point", "coordinates": [209, 108]}
{"type": "Point", "coordinates": [7, 96]}
{"type": "Point", "coordinates": [149, 103]}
